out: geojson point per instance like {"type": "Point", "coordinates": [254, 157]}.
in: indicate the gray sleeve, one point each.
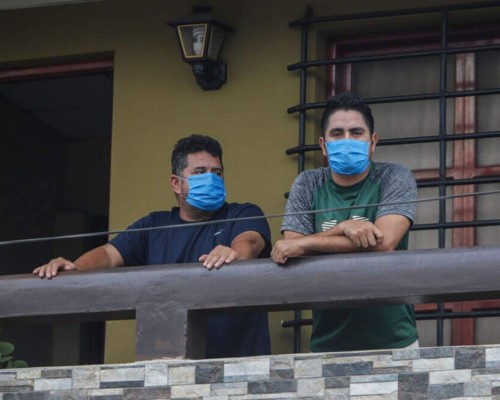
{"type": "Point", "coordinates": [299, 202]}
{"type": "Point", "coordinates": [397, 184]}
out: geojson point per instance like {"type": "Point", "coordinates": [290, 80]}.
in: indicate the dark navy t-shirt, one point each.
{"type": "Point", "coordinates": [228, 335]}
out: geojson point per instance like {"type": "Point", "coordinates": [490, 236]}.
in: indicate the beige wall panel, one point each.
{"type": "Point", "coordinates": [427, 333]}
{"type": "Point", "coordinates": [487, 330]}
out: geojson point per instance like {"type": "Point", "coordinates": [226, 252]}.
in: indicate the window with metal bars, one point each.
{"type": "Point", "coordinates": [433, 82]}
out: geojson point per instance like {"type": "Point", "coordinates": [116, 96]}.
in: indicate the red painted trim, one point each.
{"type": "Point", "coordinates": [56, 70]}
{"type": "Point", "coordinates": [331, 70]}
{"type": "Point", "coordinates": [493, 170]}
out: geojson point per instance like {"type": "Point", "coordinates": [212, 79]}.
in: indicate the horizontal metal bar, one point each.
{"type": "Point", "coordinates": [452, 225]}
{"type": "Point", "coordinates": [392, 56]}
{"type": "Point", "coordinates": [394, 13]}
{"type": "Point", "coordinates": [436, 138]}
{"type": "Point", "coordinates": [459, 182]}
{"type": "Point", "coordinates": [434, 96]}
{"type": "Point", "coordinates": [302, 149]}
{"type": "Point", "coordinates": [409, 140]}
{"type": "Point", "coordinates": [292, 323]}
{"type": "Point", "coordinates": [420, 316]}
{"type": "Point", "coordinates": [394, 99]}
{"type": "Point", "coordinates": [457, 314]}
{"type": "Point", "coordinates": [306, 107]}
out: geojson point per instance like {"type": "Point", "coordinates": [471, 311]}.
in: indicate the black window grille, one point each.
{"type": "Point", "coordinates": [474, 13]}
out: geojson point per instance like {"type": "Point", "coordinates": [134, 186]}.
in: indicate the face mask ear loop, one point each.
{"type": "Point", "coordinates": [184, 179]}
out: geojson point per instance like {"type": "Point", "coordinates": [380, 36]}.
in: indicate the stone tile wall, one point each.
{"type": "Point", "coordinates": [428, 373]}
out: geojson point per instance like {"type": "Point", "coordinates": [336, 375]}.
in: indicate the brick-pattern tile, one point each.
{"type": "Point", "coordinates": [413, 386]}
{"type": "Point", "coordinates": [437, 352]}
{"type": "Point", "coordinates": [272, 386]}
{"type": "Point", "coordinates": [337, 382]}
{"type": "Point", "coordinates": [26, 396]}
{"type": "Point", "coordinates": [470, 358]}
{"type": "Point", "coordinates": [209, 373]}
{"type": "Point", "coordinates": [358, 368]}
{"type": "Point", "coordinates": [282, 374]}
{"type": "Point", "coordinates": [156, 392]}
{"type": "Point", "coordinates": [459, 373]}
{"type": "Point", "coordinates": [56, 373]}
{"type": "Point", "coordinates": [447, 391]}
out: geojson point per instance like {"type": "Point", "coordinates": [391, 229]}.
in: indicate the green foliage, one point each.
{"type": "Point", "coordinates": [16, 364]}
{"type": "Point", "coordinates": [6, 357]}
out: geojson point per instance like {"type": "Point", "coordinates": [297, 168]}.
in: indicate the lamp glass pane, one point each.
{"type": "Point", "coordinates": [216, 40]}
{"type": "Point", "coordinates": [192, 39]}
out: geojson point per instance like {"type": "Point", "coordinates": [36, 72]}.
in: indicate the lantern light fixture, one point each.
{"type": "Point", "coordinates": [201, 37]}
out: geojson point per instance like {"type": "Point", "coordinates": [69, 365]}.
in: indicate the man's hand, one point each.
{"type": "Point", "coordinates": [50, 270]}
{"type": "Point", "coordinates": [362, 233]}
{"type": "Point", "coordinates": [102, 257]}
{"type": "Point", "coordinates": [284, 249]}
{"type": "Point", "coordinates": [219, 256]}
{"type": "Point", "coordinates": [245, 246]}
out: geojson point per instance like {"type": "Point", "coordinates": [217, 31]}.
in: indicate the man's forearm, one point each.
{"type": "Point", "coordinates": [101, 257]}
{"type": "Point", "coordinates": [248, 245]}
{"type": "Point", "coordinates": [325, 243]}
{"type": "Point", "coordinates": [295, 244]}
{"type": "Point", "coordinates": [354, 236]}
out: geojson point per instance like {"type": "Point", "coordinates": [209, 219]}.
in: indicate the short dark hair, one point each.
{"type": "Point", "coordinates": [190, 145]}
{"type": "Point", "coordinates": [347, 101]}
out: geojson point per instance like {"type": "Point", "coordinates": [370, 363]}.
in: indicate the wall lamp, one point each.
{"type": "Point", "coordinates": [200, 38]}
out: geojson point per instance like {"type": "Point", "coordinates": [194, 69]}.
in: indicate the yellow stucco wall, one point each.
{"type": "Point", "coordinates": [156, 100]}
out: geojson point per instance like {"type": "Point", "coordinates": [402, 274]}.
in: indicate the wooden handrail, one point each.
{"type": "Point", "coordinates": [170, 302]}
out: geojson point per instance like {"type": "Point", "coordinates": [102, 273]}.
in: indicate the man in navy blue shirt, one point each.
{"type": "Point", "coordinates": [197, 181]}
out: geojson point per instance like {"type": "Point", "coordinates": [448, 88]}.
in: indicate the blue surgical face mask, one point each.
{"type": "Point", "coordinates": [206, 191]}
{"type": "Point", "coordinates": [348, 156]}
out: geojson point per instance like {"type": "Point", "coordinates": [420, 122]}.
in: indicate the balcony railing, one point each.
{"type": "Point", "coordinates": [170, 302]}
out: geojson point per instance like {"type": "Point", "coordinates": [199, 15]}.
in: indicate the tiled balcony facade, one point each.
{"type": "Point", "coordinates": [427, 373]}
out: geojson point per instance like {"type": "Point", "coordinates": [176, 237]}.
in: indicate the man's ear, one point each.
{"type": "Point", "coordinates": [322, 144]}
{"type": "Point", "coordinates": [175, 182]}
{"type": "Point", "coordinates": [373, 142]}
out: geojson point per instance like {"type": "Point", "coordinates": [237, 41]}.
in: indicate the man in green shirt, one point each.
{"type": "Point", "coordinates": [352, 179]}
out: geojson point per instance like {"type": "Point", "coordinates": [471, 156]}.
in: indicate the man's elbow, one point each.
{"type": "Point", "coordinates": [385, 248]}
{"type": "Point", "coordinates": [252, 249]}
{"type": "Point", "coordinates": [387, 245]}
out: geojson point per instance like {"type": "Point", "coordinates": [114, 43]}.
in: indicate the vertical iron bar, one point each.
{"type": "Point", "coordinates": [303, 96]}
{"type": "Point", "coordinates": [301, 154]}
{"type": "Point", "coordinates": [442, 155]}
